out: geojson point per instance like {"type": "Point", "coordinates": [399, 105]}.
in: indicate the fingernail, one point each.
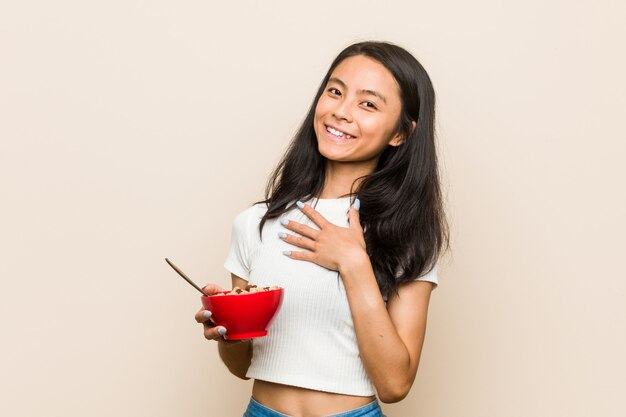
{"type": "Point", "coordinates": [221, 330]}
{"type": "Point", "coordinates": [284, 222]}
{"type": "Point", "coordinates": [357, 204]}
{"type": "Point", "coordinates": [282, 235]}
{"type": "Point", "coordinates": [287, 252]}
{"type": "Point", "coordinates": [300, 204]}
{"type": "Point", "coordinates": [207, 314]}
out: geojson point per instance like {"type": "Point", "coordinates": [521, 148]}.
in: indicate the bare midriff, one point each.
{"type": "Point", "coordinates": [302, 402]}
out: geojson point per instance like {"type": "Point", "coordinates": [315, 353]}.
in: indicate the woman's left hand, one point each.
{"type": "Point", "coordinates": [332, 247]}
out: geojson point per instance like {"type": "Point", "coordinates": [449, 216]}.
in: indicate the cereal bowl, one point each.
{"type": "Point", "coordinates": [245, 315]}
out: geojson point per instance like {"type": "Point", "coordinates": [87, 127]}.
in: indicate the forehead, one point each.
{"type": "Point", "coordinates": [364, 73]}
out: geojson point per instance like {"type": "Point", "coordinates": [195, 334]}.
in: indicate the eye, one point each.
{"type": "Point", "coordinates": [370, 105]}
{"type": "Point", "coordinates": [334, 91]}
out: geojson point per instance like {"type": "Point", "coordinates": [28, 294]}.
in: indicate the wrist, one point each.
{"type": "Point", "coordinates": [354, 262]}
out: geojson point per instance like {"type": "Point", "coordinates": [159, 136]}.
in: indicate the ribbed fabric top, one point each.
{"type": "Point", "coordinates": [311, 342]}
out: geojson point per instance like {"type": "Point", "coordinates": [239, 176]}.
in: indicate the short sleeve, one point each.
{"type": "Point", "coordinates": [238, 258]}
{"type": "Point", "coordinates": [430, 277]}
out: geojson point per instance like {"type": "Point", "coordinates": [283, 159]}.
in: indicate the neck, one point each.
{"type": "Point", "coordinates": [341, 175]}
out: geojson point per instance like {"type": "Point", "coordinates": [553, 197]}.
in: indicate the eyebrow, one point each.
{"type": "Point", "coordinates": [362, 91]}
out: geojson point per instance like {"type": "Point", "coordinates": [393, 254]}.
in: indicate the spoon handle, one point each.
{"type": "Point", "coordinates": [182, 274]}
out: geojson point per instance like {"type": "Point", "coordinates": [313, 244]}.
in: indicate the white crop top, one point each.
{"type": "Point", "coordinates": [311, 342]}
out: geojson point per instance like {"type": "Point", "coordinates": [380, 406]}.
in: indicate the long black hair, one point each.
{"type": "Point", "coordinates": [401, 203]}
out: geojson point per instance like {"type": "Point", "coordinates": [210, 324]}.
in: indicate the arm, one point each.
{"type": "Point", "coordinates": [390, 339]}
{"type": "Point", "coordinates": [236, 355]}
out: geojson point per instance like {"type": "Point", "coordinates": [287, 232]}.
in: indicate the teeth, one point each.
{"type": "Point", "coordinates": [337, 133]}
{"type": "Point", "coordinates": [334, 132]}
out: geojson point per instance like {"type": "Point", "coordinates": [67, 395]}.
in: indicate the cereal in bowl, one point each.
{"type": "Point", "coordinates": [249, 289]}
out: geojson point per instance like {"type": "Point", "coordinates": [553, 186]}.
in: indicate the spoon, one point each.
{"type": "Point", "coordinates": [182, 274]}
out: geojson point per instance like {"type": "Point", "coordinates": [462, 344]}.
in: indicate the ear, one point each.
{"type": "Point", "coordinates": [399, 138]}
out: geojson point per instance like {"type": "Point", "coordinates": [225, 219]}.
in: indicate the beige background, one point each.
{"type": "Point", "coordinates": [135, 130]}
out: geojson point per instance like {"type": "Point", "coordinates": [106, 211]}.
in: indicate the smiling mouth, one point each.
{"type": "Point", "coordinates": [338, 133]}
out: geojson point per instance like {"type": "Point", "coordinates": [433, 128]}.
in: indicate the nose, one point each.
{"type": "Point", "coordinates": [342, 111]}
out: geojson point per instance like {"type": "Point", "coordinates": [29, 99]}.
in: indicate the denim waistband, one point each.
{"type": "Point", "coordinates": [256, 409]}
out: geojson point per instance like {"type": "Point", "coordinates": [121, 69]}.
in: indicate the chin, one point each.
{"type": "Point", "coordinates": [330, 155]}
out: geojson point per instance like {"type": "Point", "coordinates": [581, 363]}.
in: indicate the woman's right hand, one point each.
{"type": "Point", "coordinates": [211, 331]}
{"type": "Point", "coordinates": [236, 354]}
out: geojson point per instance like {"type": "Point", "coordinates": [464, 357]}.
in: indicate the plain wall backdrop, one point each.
{"type": "Point", "coordinates": [135, 130]}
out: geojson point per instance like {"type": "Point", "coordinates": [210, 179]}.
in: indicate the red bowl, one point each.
{"type": "Point", "coordinates": [244, 315]}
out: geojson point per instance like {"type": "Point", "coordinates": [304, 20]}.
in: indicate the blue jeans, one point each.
{"type": "Point", "coordinates": [256, 409]}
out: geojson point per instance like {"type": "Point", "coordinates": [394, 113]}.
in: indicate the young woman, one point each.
{"type": "Point", "coordinates": [352, 227]}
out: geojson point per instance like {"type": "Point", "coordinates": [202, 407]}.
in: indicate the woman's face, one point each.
{"type": "Point", "coordinates": [356, 116]}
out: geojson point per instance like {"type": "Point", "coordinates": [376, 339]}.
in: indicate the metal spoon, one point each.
{"type": "Point", "coordinates": [182, 274]}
